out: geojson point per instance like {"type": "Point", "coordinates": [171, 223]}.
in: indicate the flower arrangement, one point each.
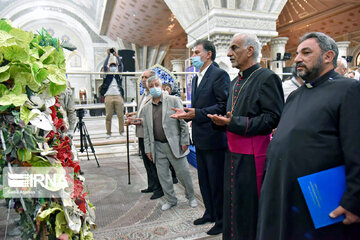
{"type": "Point", "coordinates": [32, 74]}
{"type": "Point", "coordinates": [163, 73]}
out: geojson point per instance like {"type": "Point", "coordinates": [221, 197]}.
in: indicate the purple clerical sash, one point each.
{"type": "Point", "coordinates": [255, 145]}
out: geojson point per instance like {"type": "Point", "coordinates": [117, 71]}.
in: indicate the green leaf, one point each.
{"type": "Point", "coordinates": [8, 150]}
{"type": "Point", "coordinates": [4, 68]}
{"type": "Point", "coordinates": [34, 53]}
{"type": "Point", "coordinates": [41, 75]}
{"type": "Point", "coordinates": [22, 38]}
{"type": "Point", "coordinates": [29, 140]}
{"type": "Point", "coordinates": [46, 213]}
{"type": "Point", "coordinates": [4, 76]}
{"type": "Point", "coordinates": [34, 67]}
{"type": "Point", "coordinates": [3, 89]}
{"type": "Point", "coordinates": [37, 161]}
{"type": "Point", "coordinates": [4, 26]}
{"type": "Point", "coordinates": [24, 155]}
{"type": "Point", "coordinates": [6, 39]}
{"type": "Point", "coordinates": [60, 223]}
{"type": "Point", "coordinates": [17, 89]}
{"type": "Point", "coordinates": [57, 75]}
{"type": "Point", "coordinates": [29, 80]}
{"type": "Point", "coordinates": [4, 108]}
{"type": "Point", "coordinates": [26, 114]}
{"type": "Point", "coordinates": [48, 51]}
{"type": "Point", "coordinates": [89, 236]}
{"type": "Point", "coordinates": [56, 89]}
{"type": "Point", "coordinates": [16, 138]}
{"type": "Point", "coordinates": [16, 100]}
{"type": "Point", "coordinates": [15, 53]}
{"type": "Point", "coordinates": [16, 68]}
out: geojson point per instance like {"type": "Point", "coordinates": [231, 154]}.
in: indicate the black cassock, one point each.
{"type": "Point", "coordinates": [319, 129]}
{"type": "Point", "coordinates": [256, 102]}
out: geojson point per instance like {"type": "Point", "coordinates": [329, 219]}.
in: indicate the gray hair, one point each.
{"type": "Point", "coordinates": [251, 40]}
{"type": "Point", "coordinates": [152, 72]}
{"type": "Point", "coordinates": [326, 43]}
{"type": "Point", "coordinates": [343, 62]}
{"type": "Point", "coordinates": [152, 79]}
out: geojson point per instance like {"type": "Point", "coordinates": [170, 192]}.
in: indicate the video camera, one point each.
{"type": "Point", "coordinates": [80, 113]}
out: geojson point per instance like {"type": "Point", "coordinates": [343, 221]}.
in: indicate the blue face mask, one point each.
{"type": "Point", "coordinates": [155, 91]}
{"type": "Point", "coordinates": [196, 62]}
{"type": "Point", "coordinates": [112, 69]}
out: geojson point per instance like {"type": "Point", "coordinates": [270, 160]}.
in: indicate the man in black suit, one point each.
{"type": "Point", "coordinates": [209, 95]}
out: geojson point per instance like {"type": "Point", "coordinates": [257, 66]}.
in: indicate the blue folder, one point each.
{"type": "Point", "coordinates": [322, 192]}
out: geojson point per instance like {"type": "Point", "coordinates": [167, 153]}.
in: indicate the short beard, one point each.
{"type": "Point", "coordinates": [309, 76]}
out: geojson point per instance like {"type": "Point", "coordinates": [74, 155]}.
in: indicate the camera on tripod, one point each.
{"type": "Point", "coordinates": [80, 113]}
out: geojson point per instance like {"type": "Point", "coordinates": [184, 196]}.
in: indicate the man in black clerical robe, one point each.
{"type": "Point", "coordinates": [254, 107]}
{"type": "Point", "coordinates": [319, 129]}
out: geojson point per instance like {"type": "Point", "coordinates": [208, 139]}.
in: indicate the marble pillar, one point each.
{"type": "Point", "coordinates": [343, 46]}
{"type": "Point", "coordinates": [277, 47]}
{"type": "Point", "coordinates": [178, 66]}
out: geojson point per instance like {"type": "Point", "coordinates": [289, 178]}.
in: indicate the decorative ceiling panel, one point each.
{"type": "Point", "coordinates": [338, 19]}
{"type": "Point", "coordinates": [145, 22]}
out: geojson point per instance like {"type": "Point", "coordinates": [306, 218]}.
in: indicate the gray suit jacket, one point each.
{"type": "Point", "coordinates": [176, 131]}
{"type": "Point", "coordinates": [143, 100]}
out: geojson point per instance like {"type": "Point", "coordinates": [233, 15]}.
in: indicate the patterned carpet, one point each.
{"type": "Point", "coordinates": [125, 213]}
{"type": "Point", "coordinates": [122, 212]}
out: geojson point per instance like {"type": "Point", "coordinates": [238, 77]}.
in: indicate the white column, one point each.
{"type": "Point", "coordinates": [277, 46]}
{"type": "Point", "coordinates": [263, 41]}
{"type": "Point", "coordinates": [342, 46]}
{"type": "Point", "coordinates": [222, 44]}
{"type": "Point", "coordinates": [178, 66]}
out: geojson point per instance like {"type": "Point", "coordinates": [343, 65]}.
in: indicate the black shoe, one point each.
{"type": "Point", "coordinates": [215, 230]}
{"type": "Point", "coordinates": [157, 195]}
{"type": "Point", "coordinates": [202, 220]}
{"type": "Point", "coordinates": [147, 190]}
{"type": "Point", "coordinates": [175, 180]}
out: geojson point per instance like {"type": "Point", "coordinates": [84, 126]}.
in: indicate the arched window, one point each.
{"type": "Point", "coordinates": [357, 59]}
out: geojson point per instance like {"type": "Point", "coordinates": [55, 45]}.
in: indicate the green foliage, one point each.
{"type": "Point", "coordinates": [29, 61]}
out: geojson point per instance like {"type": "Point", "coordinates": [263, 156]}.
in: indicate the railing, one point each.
{"type": "Point", "coordinates": [92, 100]}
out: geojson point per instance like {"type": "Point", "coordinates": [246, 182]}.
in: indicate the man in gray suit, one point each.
{"type": "Point", "coordinates": [152, 177]}
{"type": "Point", "coordinates": [166, 140]}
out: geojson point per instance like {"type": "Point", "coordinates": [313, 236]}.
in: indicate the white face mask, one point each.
{"type": "Point", "coordinates": [112, 69]}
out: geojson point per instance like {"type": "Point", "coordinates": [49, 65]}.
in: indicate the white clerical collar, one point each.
{"type": "Point", "coordinates": [308, 85]}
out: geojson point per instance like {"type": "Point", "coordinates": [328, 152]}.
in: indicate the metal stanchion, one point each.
{"type": "Point", "coordinates": [127, 150]}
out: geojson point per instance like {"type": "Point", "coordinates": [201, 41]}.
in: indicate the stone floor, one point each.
{"type": "Point", "coordinates": [122, 212]}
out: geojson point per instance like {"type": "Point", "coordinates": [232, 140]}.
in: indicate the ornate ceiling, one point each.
{"type": "Point", "coordinates": [150, 22]}
{"type": "Point", "coordinates": [339, 19]}
{"type": "Point", "coordinates": [145, 22]}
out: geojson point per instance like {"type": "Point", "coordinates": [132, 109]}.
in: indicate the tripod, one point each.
{"type": "Point", "coordinates": [84, 135]}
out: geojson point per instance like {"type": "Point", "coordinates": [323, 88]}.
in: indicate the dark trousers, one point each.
{"type": "Point", "coordinates": [152, 177]}
{"type": "Point", "coordinates": [210, 165]}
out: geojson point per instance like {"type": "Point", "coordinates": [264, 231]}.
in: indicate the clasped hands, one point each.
{"type": "Point", "coordinates": [132, 120]}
